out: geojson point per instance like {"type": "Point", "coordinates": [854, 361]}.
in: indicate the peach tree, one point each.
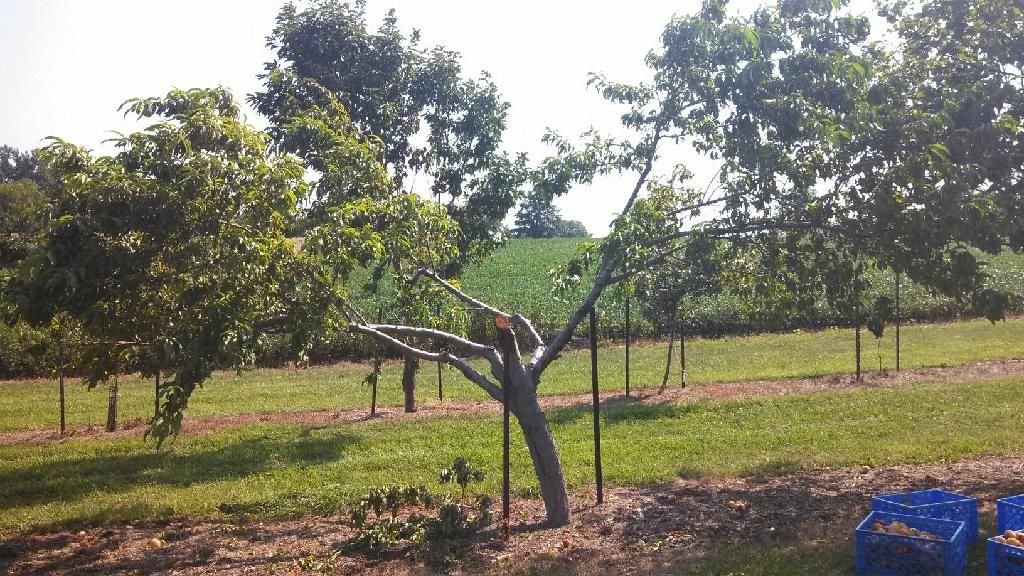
{"type": "Point", "coordinates": [828, 154]}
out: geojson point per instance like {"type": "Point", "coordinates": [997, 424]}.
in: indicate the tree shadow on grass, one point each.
{"type": "Point", "coordinates": [69, 479]}
{"type": "Point", "coordinates": [621, 413]}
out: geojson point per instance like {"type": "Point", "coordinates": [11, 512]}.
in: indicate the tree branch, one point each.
{"type": "Point", "coordinates": [464, 344]}
{"type": "Point", "coordinates": [704, 203]}
{"type": "Point", "coordinates": [468, 371]}
{"type": "Point", "coordinates": [764, 226]}
{"type": "Point", "coordinates": [544, 356]}
{"type": "Point", "coordinates": [648, 166]}
{"type": "Point", "coordinates": [535, 338]}
{"type": "Point", "coordinates": [652, 262]}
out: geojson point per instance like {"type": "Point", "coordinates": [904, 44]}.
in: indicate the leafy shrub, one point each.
{"type": "Point", "coordinates": [462, 473]}
{"type": "Point", "coordinates": [23, 351]}
{"type": "Point", "coordinates": [380, 526]}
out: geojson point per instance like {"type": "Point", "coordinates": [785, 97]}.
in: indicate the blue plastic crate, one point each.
{"type": "Point", "coordinates": [881, 554]}
{"type": "Point", "coordinates": [1004, 560]}
{"type": "Point", "coordinates": [1011, 513]}
{"type": "Point", "coordinates": [932, 504]}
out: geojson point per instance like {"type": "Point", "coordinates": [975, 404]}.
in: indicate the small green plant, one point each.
{"type": "Point", "coordinates": [454, 523]}
{"type": "Point", "coordinates": [462, 473]}
{"type": "Point", "coordinates": [379, 525]}
{"type": "Point", "coordinates": [381, 531]}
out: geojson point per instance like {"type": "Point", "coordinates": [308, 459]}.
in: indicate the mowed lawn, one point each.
{"type": "Point", "coordinates": [31, 404]}
{"type": "Point", "coordinates": [273, 470]}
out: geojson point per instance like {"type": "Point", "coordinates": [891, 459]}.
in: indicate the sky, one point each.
{"type": "Point", "coordinates": [68, 64]}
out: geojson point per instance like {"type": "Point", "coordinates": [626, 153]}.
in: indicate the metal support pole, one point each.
{"type": "Point", "coordinates": [506, 491]}
{"type": "Point", "coordinates": [856, 314]}
{"type": "Point", "coordinates": [597, 406]}
{"type": "Point", "coordinates": [897, 321]}
{"type": "Point", "coordinates": [857, 339]}
{"type": "Point", "coordinates": [440, 389]}
{"type": "Point", "coordinates": [627, 347]}
{"type": "Point", "coordinates": [60, 378]}
{"type": "Point", "coordinates": [156, 400]}
{"type": "Point", "coordinates": [376, 363]}
{"type": "Point", "coordinates": [682, 354]}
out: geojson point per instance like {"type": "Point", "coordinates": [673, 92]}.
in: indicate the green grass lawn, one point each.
{"type": "Point", "coordinates": [33, 403]}
{"type": "Point", "coordinates": [278, 469]}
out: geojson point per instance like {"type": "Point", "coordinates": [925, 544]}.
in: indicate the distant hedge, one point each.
{"type": "Point", "coordinates": [516, 279]}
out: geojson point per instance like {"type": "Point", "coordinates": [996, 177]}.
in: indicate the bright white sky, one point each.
{"type": "Point", "coordinates": [68, 64]}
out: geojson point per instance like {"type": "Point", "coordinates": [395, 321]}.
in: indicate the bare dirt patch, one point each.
{"type": "Point", "coordinates": [653, 530]}
{"type": "Point", "coordinates": [720, 390]}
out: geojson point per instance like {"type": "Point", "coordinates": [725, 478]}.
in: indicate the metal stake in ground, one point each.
{"type": "Point", "coordinates": [856, 314]}
{"type": "Point", "coordinates": [897, 320]}
{"type": "Point", "coordinates": [682, 355]}
{"type": "Point", "coordinates": [504, 332]}
{"type": "Point", "coordinates": [375, 375]}
{"type": "Point", "coordinates": [627, 347]}
{"type": "Point", "coordinates": [597, 405]}
{"type": "Point", "coordinates": [440, 390]}
{"type": "Point", "coordinates": [60, 376]}
{"type": "Point", "coordinates": [156, 401]}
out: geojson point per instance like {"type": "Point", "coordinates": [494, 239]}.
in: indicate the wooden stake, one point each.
{"type": "Point", "coordinates": [597, 406]}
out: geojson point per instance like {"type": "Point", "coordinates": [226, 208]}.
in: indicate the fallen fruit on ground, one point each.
{"type": "Point", "coordinates": [737, 505]}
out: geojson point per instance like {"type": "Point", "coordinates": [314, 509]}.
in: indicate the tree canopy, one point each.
{"type": "Point", "coordinates": [20, 165]}
{"type": "Point", "coordinates": [22, 203]}
{"type": "Point", "coordinates": [432, 121]}
{"type": "Point", "coordinates": [539, 218]}
{"type": "Point", "coordinates": [172, 247]}
{"type": "Point", "coordinates": [830, 155]}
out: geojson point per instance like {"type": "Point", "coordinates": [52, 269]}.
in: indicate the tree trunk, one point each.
{"type": "Point", "coordinates": [112, 395]}
{"type": "Point", "coordinates": [668, 362]}
{"type": "Point", "coordinates": [544, 453]}
{"type": "Point", "coordinates": [409, 382]}
{"type": "Point", "coordinates": [682, 358]}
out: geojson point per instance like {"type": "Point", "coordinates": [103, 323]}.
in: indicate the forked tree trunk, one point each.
{"type": "Point", "coordinates": [543, 452]}
{"type": "Point", "coordinates": [409, 382]}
